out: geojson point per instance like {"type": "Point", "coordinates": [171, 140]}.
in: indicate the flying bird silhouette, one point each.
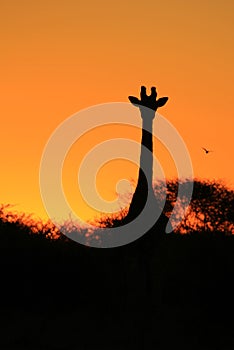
{"type": "Point", "coordinates": [207, 150]}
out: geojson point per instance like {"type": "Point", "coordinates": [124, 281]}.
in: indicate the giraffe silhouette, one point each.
{"type": "Point", "coordinates": [144, 192]}
{"type": "Point", "coordinates": [148, 249]}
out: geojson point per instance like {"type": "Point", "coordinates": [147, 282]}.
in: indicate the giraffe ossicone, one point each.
{"type": "Point", "coordinates": [149, 102]}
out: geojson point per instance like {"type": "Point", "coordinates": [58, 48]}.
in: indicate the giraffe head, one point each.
{"type": "Point", "coordinates": [150, 102]}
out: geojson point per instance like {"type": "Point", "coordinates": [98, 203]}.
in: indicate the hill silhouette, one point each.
{"type": "Point", "coordinates": [58, 294]}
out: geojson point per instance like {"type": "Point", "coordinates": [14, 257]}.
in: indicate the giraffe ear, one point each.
{"type": "Point", "coordinates": [134, 100]}
{"type": "Point", "coordinates": [162, 101]}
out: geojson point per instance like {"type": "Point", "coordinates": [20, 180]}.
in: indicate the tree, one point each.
{"type": "Point", "coordinates": [210, 209]}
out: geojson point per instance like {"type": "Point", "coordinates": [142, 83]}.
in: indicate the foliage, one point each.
{"type": "Point", "coordinates": [27, 223]}
{"type": "Point", "coordinates": [210, 209]}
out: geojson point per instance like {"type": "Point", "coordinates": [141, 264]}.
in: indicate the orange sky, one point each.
{"type": "Point", "coordinates": [58, 57]}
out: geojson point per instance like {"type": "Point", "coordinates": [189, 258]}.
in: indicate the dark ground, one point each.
{"type": "Point", "coordinates": [60, 295]}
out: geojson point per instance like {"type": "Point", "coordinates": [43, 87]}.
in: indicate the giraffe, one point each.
{"type": "Point", "coordinates": [146, 250]}
{"type": "Point", "coordinates": [148, 106]}
{"type": "Point", "coordinates": [141, 262]}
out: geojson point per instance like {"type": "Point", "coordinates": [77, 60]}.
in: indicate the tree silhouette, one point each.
{"type": "Point", "coordinates": [210, 209]}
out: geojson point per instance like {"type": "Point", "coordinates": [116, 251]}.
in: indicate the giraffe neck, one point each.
{"type": "Point", "coordinates": [146, 157]}
{"type": "Point", "coordinates": [144, 184]}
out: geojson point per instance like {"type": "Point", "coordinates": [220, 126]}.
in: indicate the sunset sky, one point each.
{"type": "Point", "coordinates": [58, 57]}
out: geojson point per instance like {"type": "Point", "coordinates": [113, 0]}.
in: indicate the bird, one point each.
{"type": "Point", "coordinates": [207, 150]}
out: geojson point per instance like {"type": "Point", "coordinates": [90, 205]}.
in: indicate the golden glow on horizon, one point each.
{"type": "Point", "coordinates": [58, 57]}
